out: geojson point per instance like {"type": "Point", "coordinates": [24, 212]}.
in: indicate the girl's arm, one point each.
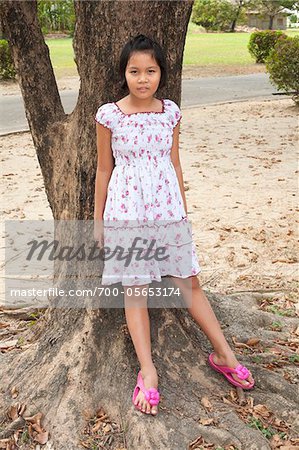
{"type": "Point", "coordinates": [175, 158]}
{"type": "Point", "coordinates": [105, 166]}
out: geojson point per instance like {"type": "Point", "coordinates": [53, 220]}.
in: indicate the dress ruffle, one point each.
{"type": "Point", "coordinates": [162, 248]}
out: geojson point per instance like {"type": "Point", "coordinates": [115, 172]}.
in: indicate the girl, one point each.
{"type": "Point", "coordinates": [139, 177]}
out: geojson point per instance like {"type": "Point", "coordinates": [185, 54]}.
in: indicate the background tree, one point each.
{"type": "Point", "coordinates": [213, 15]}
{"type": "Point", "coordinates": [58, 15]}
{"type": "Point", "coordinates": [240, 5]}
{"type": "Point", "coordinates": [82, 359]}
{"type": "Point", "coordinates": [271, 8]}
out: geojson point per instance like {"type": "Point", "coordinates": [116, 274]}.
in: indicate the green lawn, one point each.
{"type": "Point", "coordinates": [62, 56]}
{"type": "Point", "coordinates": [201, 49]}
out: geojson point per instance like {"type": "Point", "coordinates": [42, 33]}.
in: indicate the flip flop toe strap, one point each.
{"type": "Point", "coordinates": [241, 371]}
{"type": "Point", "coordinates": [152, 396]}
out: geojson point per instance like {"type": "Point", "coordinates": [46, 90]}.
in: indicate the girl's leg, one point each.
{"type": "Point", "coordinates": [200, 309]}
{"type": "Point", "coordinates": [138, 322]}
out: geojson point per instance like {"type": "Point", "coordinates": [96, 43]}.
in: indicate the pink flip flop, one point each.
{"type": "Point", "coordinates": [151, 395]}
{"type": "Point", "coordinates": [241, 371]}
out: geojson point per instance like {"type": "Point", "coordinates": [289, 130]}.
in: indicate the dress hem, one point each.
{"type": "Point", "coordinates": [153, 279]}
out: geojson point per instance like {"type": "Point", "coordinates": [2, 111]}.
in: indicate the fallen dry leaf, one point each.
{"type": "Point", "coordinates": [107, 428]}
{"type": "Point", "coordinates": [14, 392]}
{"type": "Point", "coordinates": [253, 341]}
{"type": "Point", "coordinates": [34, 419]}
{"type": "Point", "coordinates": [262, 410]}
{"type": "Point", "coordinates": [97, 426]}
{"type": "Point", "coordinates": [42, 437]}
{"type": "Point", "coordinates": [206, 421]}
{"type": "Point", "coordinates": [206, 403]}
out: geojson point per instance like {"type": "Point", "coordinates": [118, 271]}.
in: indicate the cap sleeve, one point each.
{"type": "Point", "coordinates": [106, 116]}
{"type": "Point", "coordinates": [175, 114]}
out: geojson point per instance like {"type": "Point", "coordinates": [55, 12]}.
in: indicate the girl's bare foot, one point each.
{"type": "Point", "coordinates": [150, 379]}
{"type": "Point", "coordinates": [230, 360]}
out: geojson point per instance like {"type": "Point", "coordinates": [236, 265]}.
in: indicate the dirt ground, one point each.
{"type": "Point", "coordinates": [240, 169]}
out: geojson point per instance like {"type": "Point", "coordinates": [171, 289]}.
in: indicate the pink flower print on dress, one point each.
{"type": "Point", "coordinates": [159, 187]}
{"type": "Point", "coordinates": [157, 202]}
{"type": "Point", "coordinates": [136, 140]}
{"type": "Point", "coordinates": [166, 181]}
{"type": "Point", "coordinates": [135, 187]}
{"type": "Point", "coordinates": [169, 200]}
{"type": "Point", "coordinates": [149, 138]}
{"type": "Point", "coordinates": [170, 213]}
{"type": "Point", "coordinates": [125, 194]}
{"type": "Point", "coordinates": [158, 216]}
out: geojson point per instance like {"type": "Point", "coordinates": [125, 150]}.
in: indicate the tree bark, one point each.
{"type": "Point", "coordinates": [83, 358]}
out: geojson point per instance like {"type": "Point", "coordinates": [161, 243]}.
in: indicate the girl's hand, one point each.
{"type": "Point", "coordinates": [98, 232]}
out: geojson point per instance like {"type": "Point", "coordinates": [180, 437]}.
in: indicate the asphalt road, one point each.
{"type": "Point", "coordinates": [198, 91]}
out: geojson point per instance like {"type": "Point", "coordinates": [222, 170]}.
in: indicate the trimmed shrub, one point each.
{"type": "Point", "coordinates": [7, 70]}
{"type": "Point", "coordinates": [283, 66]}
{"type": "Point", "coordinates": [261, 42]}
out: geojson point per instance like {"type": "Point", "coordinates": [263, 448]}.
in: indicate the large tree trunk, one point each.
{"type": "Point", "coordinates": [82, 359]}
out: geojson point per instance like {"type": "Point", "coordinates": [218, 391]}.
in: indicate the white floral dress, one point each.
{"type": "Point", "coordinates": [144, 198]}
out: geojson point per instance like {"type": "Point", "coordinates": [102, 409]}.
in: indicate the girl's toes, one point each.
{"type": "Point", "coordinates": [148, 409]}
{"type": "Point", "coordinates": [154, 410]}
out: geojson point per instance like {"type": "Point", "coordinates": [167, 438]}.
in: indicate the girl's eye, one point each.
{"type": "Point", "coordinates": [134, 71]}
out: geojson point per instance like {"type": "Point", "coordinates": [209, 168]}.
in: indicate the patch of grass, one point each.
{"type": "Point", "coordinates": [276, 325]}
{"type": "Point", "coordinates": [257, 359]}
{"type": "Point", "coordinates": [21, 340]}
{"type": "Point", "coordinates": [62, 56]}
{"type": "Point", "coordinates": [268, 432]}
{"type": "Point", "coordinates": [280, 312]}
{"type": "Point", "coordinates": [25, 438]}
{"type": "Point", "coordinates": [201, 49]}
{"type": "Point", "coordinates": [294, 359]}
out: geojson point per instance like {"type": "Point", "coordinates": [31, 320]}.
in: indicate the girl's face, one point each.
{"type": "Point", "coordinates": [142, 74]}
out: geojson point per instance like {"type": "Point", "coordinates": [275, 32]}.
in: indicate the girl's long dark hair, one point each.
{"type": "Point", "coordinates": [144, 44]}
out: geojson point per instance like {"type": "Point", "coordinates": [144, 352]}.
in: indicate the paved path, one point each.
{"type": "Point", "coordinates": [198, 91]}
